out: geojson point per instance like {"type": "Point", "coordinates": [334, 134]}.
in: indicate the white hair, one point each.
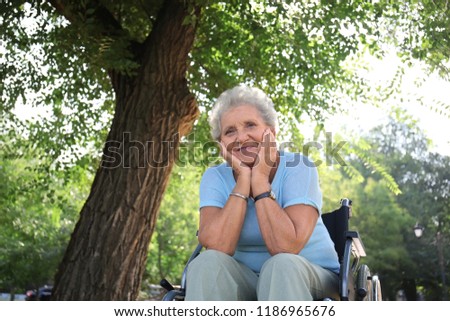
{"type": "Point", "coordinates": [238, 96]}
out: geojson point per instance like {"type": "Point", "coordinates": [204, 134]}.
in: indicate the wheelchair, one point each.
{"type": "Point", "coordinates": [356, 282]}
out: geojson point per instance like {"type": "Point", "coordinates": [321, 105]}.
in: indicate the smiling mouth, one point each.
{"type": "Point", "coordinates": [245, 148]}
{"type": "Point", "coordinates": [247, 152]}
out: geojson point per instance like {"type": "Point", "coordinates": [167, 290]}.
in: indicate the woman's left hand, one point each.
{"type": "Point", "coordinates": [267, 155]}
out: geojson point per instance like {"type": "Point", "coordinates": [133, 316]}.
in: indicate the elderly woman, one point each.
{"type": "Point", "coordinates": [259, 213]}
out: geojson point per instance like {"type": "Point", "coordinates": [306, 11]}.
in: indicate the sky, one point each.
{"type": "Point", "coordinates": [435, 125]}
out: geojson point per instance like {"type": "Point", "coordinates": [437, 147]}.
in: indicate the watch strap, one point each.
{"type": "Point", "coordinates": [263, 195]}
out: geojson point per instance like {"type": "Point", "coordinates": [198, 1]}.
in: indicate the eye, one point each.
{"type": "Point", "coordinates": [250, 124]}
{"type": "Point", "coordinates": [229, 131]}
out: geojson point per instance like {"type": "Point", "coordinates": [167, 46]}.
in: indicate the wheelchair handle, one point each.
{"type": "Point", "coordinates": [346, 202]}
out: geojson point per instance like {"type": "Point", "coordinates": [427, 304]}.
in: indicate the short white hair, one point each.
{"type": "Point", "coordinates": [238, 96]}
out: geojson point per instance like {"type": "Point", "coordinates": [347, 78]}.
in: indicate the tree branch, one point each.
{"type": "Point", "coordinates": [170, 34]}
{"type": "Point", "coordinates": [76, 13]}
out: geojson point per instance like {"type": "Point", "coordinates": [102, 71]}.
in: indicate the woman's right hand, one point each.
{"type": "Point", "coordinates": [239, 167]}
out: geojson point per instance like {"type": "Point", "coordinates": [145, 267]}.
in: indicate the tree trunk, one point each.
{"type": "Point", "coordinates": [106, 256]}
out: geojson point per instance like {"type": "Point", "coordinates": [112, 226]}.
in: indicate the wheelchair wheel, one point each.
{"type": "Point", "coordinates": [363, 286]}
{"type": "Point", "coordinates": [368, 287]}
{"type": "Point", "coordinates": [376, 284]}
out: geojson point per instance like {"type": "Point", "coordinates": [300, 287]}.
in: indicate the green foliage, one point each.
{"type": "Point", "coordinates": [291, 50]}
{"type": "Point", "coordinates": [39, 210]}
{"type": "Point", "coordinates": [385, 219]}
{"type": "Point", "coordinates": [175, 236]}
{"type": "Point", "coordinates": [421, 30]}
{"type": "Point", "coordinates": [383, 224]}
{"type": "Point", "coordinates": [425, 182]}
{"type": "Point", "coordinates": [424, 179]}
{"type": "Point", "coordinates": [378, 218]}
{"type": "Point", "coordinates": [67, 99]}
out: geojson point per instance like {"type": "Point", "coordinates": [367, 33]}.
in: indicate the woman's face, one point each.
{"type": "Point", "coordinates": [242, 131]}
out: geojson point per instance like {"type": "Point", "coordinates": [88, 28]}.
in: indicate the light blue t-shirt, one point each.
{"type": "Point", "coordinates": [296, 182]}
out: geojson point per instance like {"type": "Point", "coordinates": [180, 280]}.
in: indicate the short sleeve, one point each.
{"type": "Point", "coordinates": [301, 185]}
{"type": "Point", "coordinates": [212, 189]}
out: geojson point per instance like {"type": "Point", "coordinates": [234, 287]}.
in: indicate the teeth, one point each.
{"type": "Point", "coordinates": [245, 147]}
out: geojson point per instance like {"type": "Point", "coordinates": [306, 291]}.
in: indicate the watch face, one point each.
{"type": "Point", "coordinates": [272, 195]}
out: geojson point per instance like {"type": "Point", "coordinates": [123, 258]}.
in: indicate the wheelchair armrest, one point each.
{"type": "Point", "coordinates": [357, 244]}
{"type": "Point", "coordinates": [353, 248]}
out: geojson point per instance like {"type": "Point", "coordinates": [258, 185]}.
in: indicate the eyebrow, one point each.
{"type": "Point", "coordinates": [228, 127]}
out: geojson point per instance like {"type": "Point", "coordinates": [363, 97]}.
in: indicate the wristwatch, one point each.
{"type": "Point", "coordinates": [269, 194]}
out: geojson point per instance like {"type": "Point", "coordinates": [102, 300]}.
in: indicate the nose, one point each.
{"type": "Point", "coordinates": [241, 136]}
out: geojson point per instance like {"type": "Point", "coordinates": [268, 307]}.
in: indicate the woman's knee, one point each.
{"type": "Point", "coordinates": [214, 275]}
{"type": "Point", "coordinates": [209, 260]}
{"type": "Point", "coordinates": [284, 277]}
{"type": "Point", "coordinates": [284, 262]}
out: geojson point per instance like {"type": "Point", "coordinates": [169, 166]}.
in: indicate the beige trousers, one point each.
{"type": "Point", "coordinates": [215, 276]}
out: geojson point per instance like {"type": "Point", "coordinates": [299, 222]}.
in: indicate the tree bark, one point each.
{"type": "Point", "coordinates": [107, 252]}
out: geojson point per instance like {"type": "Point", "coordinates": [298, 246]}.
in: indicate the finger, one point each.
{"type": "Point", "coordinates": [267, 141]}
{"type": "Point", "coordinates": [267, 133]}
{"type": "Point", "coordinates": [228, 154]}
{"type": "Point", "coordinates": [269, 148]}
